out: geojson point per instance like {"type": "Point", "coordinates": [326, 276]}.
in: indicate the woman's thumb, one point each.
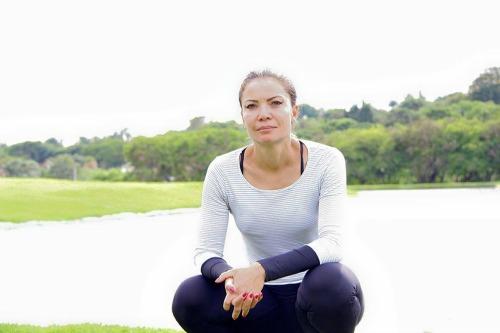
{"type": "Point", "coordinates": [221, 278]}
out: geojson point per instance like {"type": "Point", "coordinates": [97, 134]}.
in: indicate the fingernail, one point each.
{"type": "Point", "coordinates": [251, 295]}
{"type": "Point", "coordinates": [245, 294]}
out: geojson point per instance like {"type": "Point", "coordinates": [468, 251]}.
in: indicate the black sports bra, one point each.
{"type": "Point", "coordinates": [242, 157]}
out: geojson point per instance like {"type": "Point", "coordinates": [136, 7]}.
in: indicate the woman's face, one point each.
{"type": "Point", "coordinates": [267, 111]}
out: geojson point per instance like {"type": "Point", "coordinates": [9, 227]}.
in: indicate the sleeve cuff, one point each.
{"type": "Point", "coordinates": [295, 261]}
{"type": "Point", "coordinates": [214, 267]}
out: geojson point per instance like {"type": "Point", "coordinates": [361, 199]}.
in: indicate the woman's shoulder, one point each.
{"type": "Point", "coordinates": [226, 160]}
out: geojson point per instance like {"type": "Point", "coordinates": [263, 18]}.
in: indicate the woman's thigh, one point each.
{"type": "Point", "coordinates": [329, 299]}
{"type": "Point", "coordinates": [197, 306]}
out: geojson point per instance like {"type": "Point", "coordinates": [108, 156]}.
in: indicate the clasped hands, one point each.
{"type": "Point", "coordinates": [243, 288]}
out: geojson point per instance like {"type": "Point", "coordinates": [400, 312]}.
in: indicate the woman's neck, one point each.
{"type": "Point", "coordinates": [274, 157]}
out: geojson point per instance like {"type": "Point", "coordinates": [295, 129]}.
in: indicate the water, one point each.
{"type": "Point", "coordinates": [427, 261]}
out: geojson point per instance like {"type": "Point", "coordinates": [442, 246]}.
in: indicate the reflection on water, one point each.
{"type": "Point", "coordinates": [426, 260]}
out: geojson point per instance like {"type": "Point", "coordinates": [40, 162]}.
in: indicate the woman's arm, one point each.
{"type": "Point", "coordinates": [214, 215]}
{"type": "Point", "coordinates": [327, 247]}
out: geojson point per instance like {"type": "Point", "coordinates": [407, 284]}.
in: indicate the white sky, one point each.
{"type": "Point", "coordinates": [90, 68]}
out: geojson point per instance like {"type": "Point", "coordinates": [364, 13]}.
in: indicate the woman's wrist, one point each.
{"type": "Point", "coordinates": [260, 268]}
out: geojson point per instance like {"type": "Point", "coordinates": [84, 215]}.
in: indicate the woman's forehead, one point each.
{"type": "Point", "coordinates": [263, 88]}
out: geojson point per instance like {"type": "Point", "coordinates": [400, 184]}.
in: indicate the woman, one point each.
{"type": "Point", "coordinates": [287, 198]}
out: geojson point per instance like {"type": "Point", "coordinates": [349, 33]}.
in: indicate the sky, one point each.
{"type": "Point", "coordinates": [91, 68]}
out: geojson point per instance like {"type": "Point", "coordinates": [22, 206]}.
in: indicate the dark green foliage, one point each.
{"type": "Point", "coordinates": [107, 151]}
{"type": "Point", "coordinates": [196, 123]}
{"type": "Point", "coordinates": [412, 103]}
{"type": "Point", "coordinates": [62, 166]}
{"type": "Point", "coordinates": [487, 86]}
{"type": "Point", "coordinates": [181, 155]}
{"type": "Point", "coordinates": [335, 114]}
{"type": "Point", "coordinates": [20, 167]}
{"type": "Point", "coordinates": [363, 114]}
{"type": "Point", "coordinates": [36, 151]}
{"type": "Point", "coordinates": [307, 111]}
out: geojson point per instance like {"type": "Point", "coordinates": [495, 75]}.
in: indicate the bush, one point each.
{"type": "Point", "coordinates": [112, 175]}
{"type": "Point", "coordinates": [21, 167]}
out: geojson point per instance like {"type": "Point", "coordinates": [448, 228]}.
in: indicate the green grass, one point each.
{"type": "Point", "coordinates": [49, 199]}
{"type": "Point", "coordinates": [353, 189]}
{"type": "Point", "coordinates": [26, 199]}
{"type": "Point", "coordinates": [80, 328]}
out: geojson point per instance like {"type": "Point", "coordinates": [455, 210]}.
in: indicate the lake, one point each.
{"type": "Point", "coordinates": [427, 261]}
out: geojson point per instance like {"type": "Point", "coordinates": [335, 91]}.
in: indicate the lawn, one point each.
{"type": "Point", "coordinates": [49, 199]}
{"type": "Point", "coordinates": [352, 189]}
{"type": "Point", "coordinates": [80, 328]}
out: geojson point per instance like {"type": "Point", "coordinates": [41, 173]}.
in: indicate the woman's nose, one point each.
{"type": "Point", "coordinates": [264, 112]}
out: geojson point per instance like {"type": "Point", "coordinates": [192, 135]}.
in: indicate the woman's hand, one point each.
{"type": "Point", "coordinates": [244, 291]}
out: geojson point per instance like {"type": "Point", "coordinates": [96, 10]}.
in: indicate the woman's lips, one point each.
{"type": "Point", "coordinates": [265, 128]}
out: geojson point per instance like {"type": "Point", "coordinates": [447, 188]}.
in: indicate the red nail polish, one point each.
{"type": "Point", "coordinates": [251, 295]}
{"type": "Point", "coordinates": [245, 294]}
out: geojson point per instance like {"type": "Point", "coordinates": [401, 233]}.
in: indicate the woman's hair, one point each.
{"type": "Point", "coordinates": [285, 82]}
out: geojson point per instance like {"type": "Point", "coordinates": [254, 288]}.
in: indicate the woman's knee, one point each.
{"type": "Point", "coordinates": [331, 288]}
{"type": "Point", "coordinates": [189, 296]}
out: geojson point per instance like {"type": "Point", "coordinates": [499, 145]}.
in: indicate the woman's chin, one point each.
{"type": "Point", "coordinates": [263, 139]}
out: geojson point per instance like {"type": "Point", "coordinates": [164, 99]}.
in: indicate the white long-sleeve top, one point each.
{"type": "Point", "coordinates": [308, 212]}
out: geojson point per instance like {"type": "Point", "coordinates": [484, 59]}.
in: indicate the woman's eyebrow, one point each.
{"type": "Point", "coordinates": [253, 100]}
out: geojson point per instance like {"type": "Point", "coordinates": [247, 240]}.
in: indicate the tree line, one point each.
{"type": "Point", "coordinates": [453, 138]}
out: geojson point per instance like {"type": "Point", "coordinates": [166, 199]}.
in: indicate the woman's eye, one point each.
{"type": "Point", "coordinates": [277, 102]}
{"type": "Point", "coordinates": [249, 106]}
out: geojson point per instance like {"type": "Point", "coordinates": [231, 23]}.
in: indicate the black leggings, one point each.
{"type": "Point", "coordinates": [328, 300]}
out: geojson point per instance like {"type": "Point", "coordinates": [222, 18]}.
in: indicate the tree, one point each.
{"type": "Point", "coordinates": [196, 123]}
{"type": "Point", "coordinates": [335, 114]}
{"type": "Point", "coordinates": [21, 167]}
{"type": "Point", "coordinates": [412, 103]}
{"type": "Point", "coordinates": [421, 149]}
{"type": "Point", "coordinates": [402, 116]}
{"type": "Point", "coordinates": [451, 98]}
{"type": "Point", "coordinates": [363, 114]}
{"type": "Point", "coordinates": [53, 142]}
{"type": "Point", "coordinates": [367, 152]}
{"type": "Point", "coordinates": [183, 155]}
{"type": "Point", "coordinates": [36, 151]}
{"type": "Point", "coordinates": [62, 166]}
{"type": "Point", "coordinates": [487, 86]}
{"type": "Point", "coordinates": [307, 111]}
{"type": "Point", "coordinates": [107, 151]}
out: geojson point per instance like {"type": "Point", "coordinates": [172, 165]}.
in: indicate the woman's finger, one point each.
{"type": "Point", "coordinates": [227, 302]}
{"type": "Point", "coordinates": [247, 303]}
{"type": "Point", "coordinates": [237, 303]}
{"type": "Point", "coordinates": [222, 277]}
{"type": "Point", "coordinates": [229, 285]}
{"type": "Point", "coordinates": [256, 300]}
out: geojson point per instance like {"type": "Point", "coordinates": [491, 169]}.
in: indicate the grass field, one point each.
{"type": "Point", "coordinates": [355, 188]}
{"type": "Point", "coordinates": [81, 328]}
{"type": "Point", "coordinates": [48, 199]}
{"type": "Point", "coordinates": [26, 199]}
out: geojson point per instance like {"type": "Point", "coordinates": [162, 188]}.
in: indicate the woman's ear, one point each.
{"type": "Point", "coordinates": [295, 114]}
{"type": "Point", "coordinates": [295, 111]}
